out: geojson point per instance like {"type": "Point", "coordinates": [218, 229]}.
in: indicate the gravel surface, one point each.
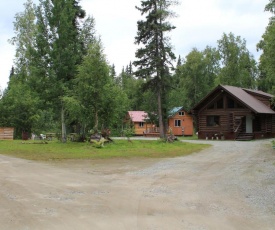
{"type": "Point", "coordinates": [228, 186]}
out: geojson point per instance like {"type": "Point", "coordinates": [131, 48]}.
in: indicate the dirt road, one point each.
{"type": "Point", "coordinates": [228, 186]}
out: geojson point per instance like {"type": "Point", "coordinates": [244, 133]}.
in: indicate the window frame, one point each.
{"type": "Point", "coordinates": [177, 123]}
{"type": "Point", "coordinates": [141, 124]}
{"type": "Point", "coordinates": [212, 120]}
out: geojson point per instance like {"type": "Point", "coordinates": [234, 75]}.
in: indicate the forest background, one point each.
{"type": "Point", "coordinates": [61, 80]}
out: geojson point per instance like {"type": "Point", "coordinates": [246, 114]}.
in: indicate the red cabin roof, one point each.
{"type": "Point", "coordinates": [138, 116]}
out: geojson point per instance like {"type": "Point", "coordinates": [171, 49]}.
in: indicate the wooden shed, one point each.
{"type": "Point", "coordinates": [140, 121]}
{"type": "Point", "coordinates": [180, 122]}
{"type": "Point", "coordinates": [6, 133]}
{"type": "Point", "coordinates": [229, 112]}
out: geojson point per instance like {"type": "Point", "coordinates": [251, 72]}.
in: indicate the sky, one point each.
{"type": "Point", "coordinates": [199, 23]}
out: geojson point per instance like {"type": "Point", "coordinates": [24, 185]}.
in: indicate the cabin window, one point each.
{"type": "Point", "coordinates": [213, 120]}
{"type": "Point", "coordinates": [141, 124]}
{"type": "Point", "coordinates": [233, 104]}
{"type": "Point", "coordinates": [230, 103]}
{"type": "Point", "coordinates": [177, 123]}
{"type": "Point", "coordinates": [212, 106]}
{"type": "Point", "coordinates": [181, 113]}
{"type": "Point", "coordinates": [220, 104]}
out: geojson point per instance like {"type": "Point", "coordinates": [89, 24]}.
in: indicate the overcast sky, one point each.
{"type": "Point", "coordinates": [199, 23]}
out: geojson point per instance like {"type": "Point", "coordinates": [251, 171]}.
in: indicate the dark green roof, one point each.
{"type": "Point", "coordinates": [173, 111]}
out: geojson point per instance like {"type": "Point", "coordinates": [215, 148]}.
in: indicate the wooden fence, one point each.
{"type": "Point", "coordinates": [6, 133]}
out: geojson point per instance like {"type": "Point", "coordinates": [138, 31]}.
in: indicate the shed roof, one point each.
{"type": "Point", "coordinates": [242, 96]}
{"type": "Point", "coordinates": [173, 111]}
{"type": "Point", "coordinates": [138, 116]}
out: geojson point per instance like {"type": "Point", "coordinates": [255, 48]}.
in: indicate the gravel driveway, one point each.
{"type": "Point", "coordinates": [228, 186]}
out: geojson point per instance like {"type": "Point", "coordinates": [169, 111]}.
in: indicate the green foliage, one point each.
{"type": "Point", "coordinates": [102, 101]}
{"type": "Point", "coordinates": [50, 43]}
{"type": "Point", "coordinates": [19, 107]}
{"type": "Point", "coordinates": [92, 79]}
{"type": "Point", "coordinates": [24, 39]}
{"type": "Point", "coordinates": [128, 131]}
{"type": "Point", "coordinates": [266, 80]}
{"type": "Point", "coordinates": [194, 78]}
{"type": "Point", "coordinates": [196, 75]}
{"type": "Point", "coordinates": [133, 88]}
{"type": "Point", "coordinates": [239, 66]}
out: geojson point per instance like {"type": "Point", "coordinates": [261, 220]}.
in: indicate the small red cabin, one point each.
{"type": "Point", "coordinates": [140, 121]}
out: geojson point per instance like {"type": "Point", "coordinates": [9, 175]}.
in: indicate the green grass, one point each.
{"type": "Point", "coordinates": [194, 137]}
{"type": "Point", "coordinates": [119, 149]}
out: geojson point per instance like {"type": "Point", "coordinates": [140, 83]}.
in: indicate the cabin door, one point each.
{"type": "Point", "coordinates": [249, 124]}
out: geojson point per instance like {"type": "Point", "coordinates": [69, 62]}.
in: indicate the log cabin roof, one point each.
{"type": "Point", "coordinates": [240, 95]}
{"type": "Point", "coordinates": [138, 116]}
{"type": "Point", "coordinates": [259, 92]}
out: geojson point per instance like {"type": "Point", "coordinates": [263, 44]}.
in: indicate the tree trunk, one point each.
{"type": "Point", "coordinates": [63, 134]}
{"type": "Point", "coordinates": [96, 121]}
{"type": "Point", "coordinates": [160, 115]}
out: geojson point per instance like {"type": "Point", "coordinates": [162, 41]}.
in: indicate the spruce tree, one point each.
{"type": "Point", "coordinates": [155, 55]}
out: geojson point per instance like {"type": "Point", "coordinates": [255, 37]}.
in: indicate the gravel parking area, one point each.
{"type": "Point", "coordinates": [228, 186]}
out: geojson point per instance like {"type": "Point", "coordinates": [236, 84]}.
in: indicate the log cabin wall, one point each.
{"type": "Point", "coordinates": [263, 124]}
{"type": "Point", "coordinates": [228, 122]}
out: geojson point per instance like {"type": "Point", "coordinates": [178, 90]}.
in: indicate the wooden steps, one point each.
{"type": "Point", "coordinates": [245, 137]}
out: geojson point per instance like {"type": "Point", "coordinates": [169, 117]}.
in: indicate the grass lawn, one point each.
{"type": "Point", "coordinates": [120, 148]}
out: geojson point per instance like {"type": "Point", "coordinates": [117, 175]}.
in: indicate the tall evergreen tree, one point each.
{"type": "Point", "coordinates": [113, 71]}
{"type": "Point", "coordinates": [155, 56]}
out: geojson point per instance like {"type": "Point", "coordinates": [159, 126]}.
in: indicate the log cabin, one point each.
{"type": "Point", "coordinates": [234, 113]}
{"type": "Point", "coordinates": [180, 122]}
